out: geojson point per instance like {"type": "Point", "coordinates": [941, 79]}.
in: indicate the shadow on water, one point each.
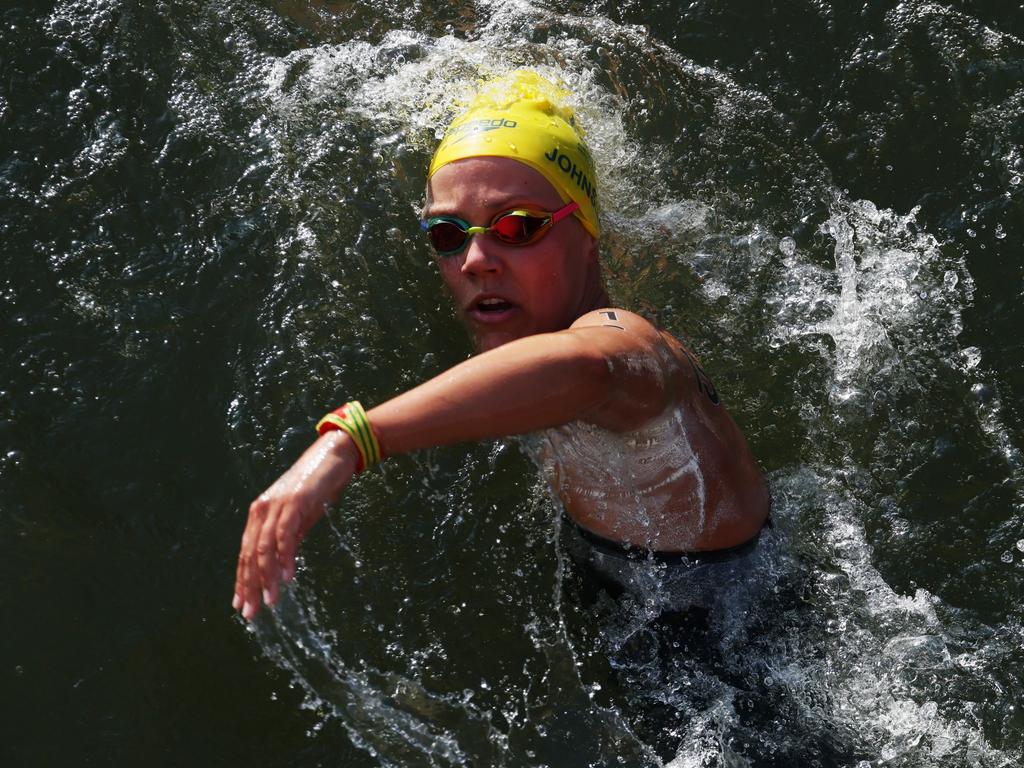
{"type": "Point", "coordinates": [209, 227]}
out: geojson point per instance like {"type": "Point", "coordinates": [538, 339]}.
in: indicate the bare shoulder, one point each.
{"type": "Point", "coordinates": [622, 320]}
{"type": "Point", "coordinates": [636, 333]}
{"type": "Point", "coordinates": [676, 360]}
{"type": "Point", "coordinates": [641, 370]}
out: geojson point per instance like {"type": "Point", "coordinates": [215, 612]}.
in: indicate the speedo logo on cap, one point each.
{"type": "Point", "coordinates": [479, 126]}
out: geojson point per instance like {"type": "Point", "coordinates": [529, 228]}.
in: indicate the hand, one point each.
{"type": "Point", "coordinates": [282, 516]}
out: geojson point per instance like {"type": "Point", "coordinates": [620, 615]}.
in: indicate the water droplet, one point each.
{"type": "Point", "coordinates": [787, 245]}
{"type": "Point", "coordinates": [769, 681]}
{"type": "Point", "coordinates": [999, 233]}
{"type": "Point", "coordinates": [1020, 545]}
{"type": "Point", "coordinates": [513, 148]}
{"type": "Point", "coordinates": [1007, 556]}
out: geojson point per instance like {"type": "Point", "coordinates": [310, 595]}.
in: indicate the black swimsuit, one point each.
{"type": "Point", "coordinates": [636, 554]}
{"type": "Point", "coordinates": [619, 567]}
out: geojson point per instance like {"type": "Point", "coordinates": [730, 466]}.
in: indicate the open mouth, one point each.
{"type": "Point", "coordinates": [492, 306]}
{"type": "Point", "coordinates": [491, 309]}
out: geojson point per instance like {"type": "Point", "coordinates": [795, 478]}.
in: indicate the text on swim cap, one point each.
{"type": "Point", "coordinates": [478, 126]}
{"type": "Point", "coordinates": [566, 165]}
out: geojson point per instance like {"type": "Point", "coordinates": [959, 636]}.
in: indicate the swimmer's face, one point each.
{"type": "Point", "coordinates": [504, 292]}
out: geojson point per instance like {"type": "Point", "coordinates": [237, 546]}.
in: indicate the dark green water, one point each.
{"type": "Point", "coordinates": [207, 219]}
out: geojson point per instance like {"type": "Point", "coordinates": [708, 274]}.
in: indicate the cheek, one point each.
{"type": "Point", "coordinates": [558, 273]}
{"type": "Point", "coordinates": [450, 272]}
{"type": "Point", "coordinates": [552, 292]}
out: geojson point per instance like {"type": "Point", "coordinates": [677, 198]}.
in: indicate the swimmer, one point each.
{"type": "Point", "coordinates": [626, 426]}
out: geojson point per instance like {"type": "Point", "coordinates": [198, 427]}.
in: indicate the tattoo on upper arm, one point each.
{"type": "Point", "coordinates": [611, 318]}
{"type": "Point", "coordinates": [703, 380]}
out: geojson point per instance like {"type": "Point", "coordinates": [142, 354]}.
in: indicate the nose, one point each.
{"type": "Point", "coordinates": [481, 257]}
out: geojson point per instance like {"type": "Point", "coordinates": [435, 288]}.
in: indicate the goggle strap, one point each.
{"type": "Point", "coordinates": [561, 213]}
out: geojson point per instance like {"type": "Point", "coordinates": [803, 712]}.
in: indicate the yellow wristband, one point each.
{"type": "Point", "coordinates": [351, 418]}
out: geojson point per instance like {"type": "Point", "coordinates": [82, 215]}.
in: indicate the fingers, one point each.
{"type": "Point", "coordinates": [280, 519]}
{"type": "Point", "coordinates": [288, 530]}
{"type": "Point", "coordinates": [248, 582]}
{"type": "Point", "coordinates": [269, 572]}
{"type": "Point", "coordinates": [267, 556]}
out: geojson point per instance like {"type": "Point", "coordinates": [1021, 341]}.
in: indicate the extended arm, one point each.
{"type": "Point", "coordinates": [609, 376]}
{"type": "Point", "coordinates": [604, 371]}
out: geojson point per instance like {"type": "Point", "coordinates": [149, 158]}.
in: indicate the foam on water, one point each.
{"type": "Point", "coordinates": [815, 656]}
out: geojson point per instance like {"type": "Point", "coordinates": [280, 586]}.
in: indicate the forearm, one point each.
{"type": "Point", "coordinates": [530, 384]}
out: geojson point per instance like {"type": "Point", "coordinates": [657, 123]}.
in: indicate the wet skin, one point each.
{"type": "Point", "coordinates": [547, 285]}
{"type": "Point", "coordinates": [551, 353]}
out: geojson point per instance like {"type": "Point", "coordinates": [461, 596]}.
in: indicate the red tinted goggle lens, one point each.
{"type": "Point", "coordinates": [517, 228]}
{"type": "Point", "coordinates": [448, 235]}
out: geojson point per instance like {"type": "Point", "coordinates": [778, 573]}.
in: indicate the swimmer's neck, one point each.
{"type": "Point", "coordinates": [594, 294]}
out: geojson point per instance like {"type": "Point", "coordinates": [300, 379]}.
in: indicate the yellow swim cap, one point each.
{"type": "Point", "coordinates": [521, 115]}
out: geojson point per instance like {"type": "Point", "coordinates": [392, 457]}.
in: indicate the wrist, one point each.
{"type": "Point", "coordinates": [341, 446]}
{"type": "Point", "coordinates": [352, 420]}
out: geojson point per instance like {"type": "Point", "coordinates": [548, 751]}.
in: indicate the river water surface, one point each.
{"type": "Point", "coordinates": [209, 237]}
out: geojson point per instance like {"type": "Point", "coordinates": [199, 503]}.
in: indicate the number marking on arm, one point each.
{"type": "Point", "coordinates": [611, 317]}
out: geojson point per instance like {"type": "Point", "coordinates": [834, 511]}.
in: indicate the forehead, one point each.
{"type": "Point", "coordinates": [488, 184]}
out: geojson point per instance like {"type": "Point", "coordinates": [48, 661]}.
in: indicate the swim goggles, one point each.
{"type": "Point", "coordinates": [449, 234]}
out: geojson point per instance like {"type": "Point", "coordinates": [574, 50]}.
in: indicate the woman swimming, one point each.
{"type": "Point", "coordinates": [631, 434]}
